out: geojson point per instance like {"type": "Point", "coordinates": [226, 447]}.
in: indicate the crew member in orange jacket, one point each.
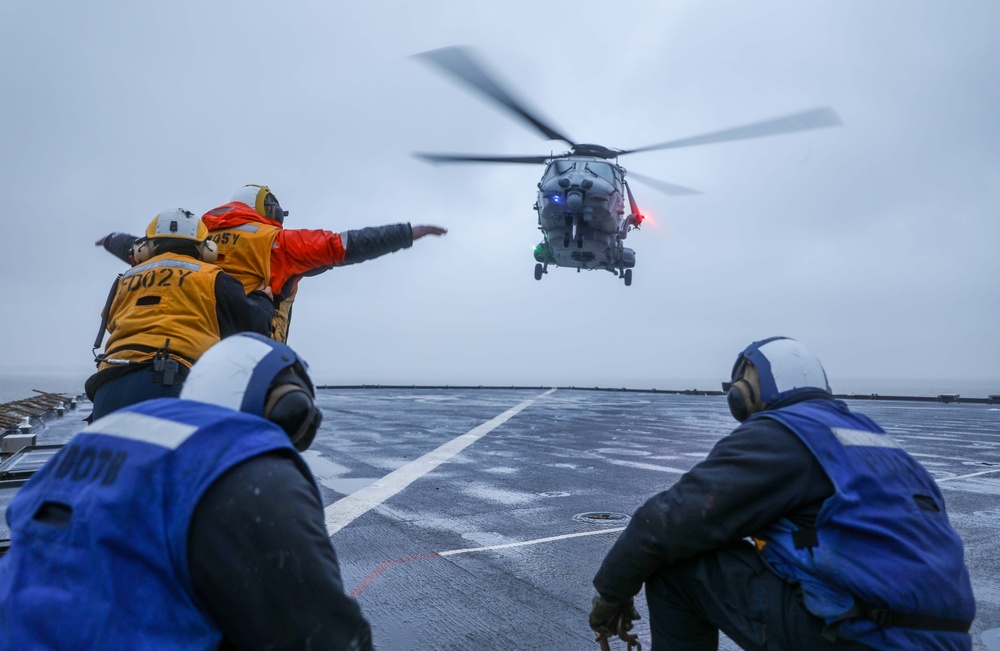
{"type": "Point", "coordinates": [254, 246]}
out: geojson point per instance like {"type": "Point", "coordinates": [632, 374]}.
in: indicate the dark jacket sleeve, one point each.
{"type": "Point", "coordinates": [374, 241]}
{"type": "Point", "coordinates": [303, 252]}
{"type": "Point", "coordinates": [757, 474]}
{"type": "Point", "coordinates": [120, 246]}
{"type": "Point", "coordinates": [263, 566]}
{"type": "Point", "coordinates": [240, 312]}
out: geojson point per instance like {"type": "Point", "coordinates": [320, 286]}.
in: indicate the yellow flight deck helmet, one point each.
{"type": "Point", "coordinates": [176, 224]}
{"type": "Point", "coordinates": [262, 200]}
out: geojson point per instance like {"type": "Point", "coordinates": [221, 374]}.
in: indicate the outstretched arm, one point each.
{"type": "Point", "coordinates": [118, 245]}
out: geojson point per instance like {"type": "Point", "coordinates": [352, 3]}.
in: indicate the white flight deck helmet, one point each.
{"type": "Point", "coordinates": [251, 373]}
{"type": "Point", "coordinates": [262, 200]}
{"type": "Point", "coordinates": [178, 224]}
{"type": "Point", "coordinates": [769, 371]}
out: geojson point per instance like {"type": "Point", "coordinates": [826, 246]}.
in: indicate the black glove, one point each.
{"type": "Point", "coordinates": [611, 619]}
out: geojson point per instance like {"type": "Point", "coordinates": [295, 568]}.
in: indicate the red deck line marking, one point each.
{"type": "Point", "coordinates": [368, 580]}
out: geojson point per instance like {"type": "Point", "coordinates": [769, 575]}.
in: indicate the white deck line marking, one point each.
{"type": "Point", "coordinates": [536, 541]}
{"type": "Point", "coordinates": [348, 509]}
{"type": "Point", "coordinates": [975, 474]}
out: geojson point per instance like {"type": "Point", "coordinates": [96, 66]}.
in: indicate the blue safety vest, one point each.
{"type": "Point", "coordinates": [882, 541]}
{"type": "Point", "coordinates": [98, 556]}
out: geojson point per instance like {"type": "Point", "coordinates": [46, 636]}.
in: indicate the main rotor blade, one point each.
{"type": "Point", "coordinates": [473, 158]}
{"type": "Point", "coordinates": [813, 119]}
{"type": "Point", "coordinates": [662, 186]}
{"type": "Point", "coordinates": [459, 62]}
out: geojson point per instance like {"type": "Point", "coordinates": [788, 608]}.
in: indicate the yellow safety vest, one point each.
{"type": "Point", "coordinates": [245, 252]}
{"type": "Point", "coordinates": [171, 297]}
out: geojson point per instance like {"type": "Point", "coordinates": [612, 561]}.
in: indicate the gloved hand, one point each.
{"type": "Point", "coordinates": [610, 619]}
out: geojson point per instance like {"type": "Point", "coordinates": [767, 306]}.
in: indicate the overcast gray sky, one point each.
{"type": "Point", "coordinates": [875, 243]}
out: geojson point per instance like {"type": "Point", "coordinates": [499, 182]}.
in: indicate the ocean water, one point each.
{"type": "Point", "coordinates": [15, 386]}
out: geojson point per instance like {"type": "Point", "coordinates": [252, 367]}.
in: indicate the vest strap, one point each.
{"type": "Point", "coordinates": [104, 314]}
{"type": "Point", "coordinates": [886, 618]}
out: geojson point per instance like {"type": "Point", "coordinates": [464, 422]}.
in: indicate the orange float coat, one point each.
{"type": "Point", "coordinates": [255, 249]}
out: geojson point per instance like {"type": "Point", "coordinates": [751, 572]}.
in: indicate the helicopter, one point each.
{"type": "Point", "coordinates": [581, 195]}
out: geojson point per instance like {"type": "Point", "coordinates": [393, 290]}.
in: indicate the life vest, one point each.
{"type": "Point", "coordinates": [244, 248]}
{"type": "Point", "coordinates": [171, 297]}
{"type": "Point", "coordinates": [283, 317]}
{"type": "Point", "coordinates": [882, 543]}
{"type": "Point", "coordinates": [98, 556]}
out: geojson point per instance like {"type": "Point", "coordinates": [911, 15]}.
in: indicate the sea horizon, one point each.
{"type": "Point", "coordinates": [18, 386]}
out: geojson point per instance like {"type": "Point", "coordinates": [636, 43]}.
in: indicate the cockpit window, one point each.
{"type": "Point", "coordinates": [603, 170]}
{"type": "Point", "coordinates": [558, 167]}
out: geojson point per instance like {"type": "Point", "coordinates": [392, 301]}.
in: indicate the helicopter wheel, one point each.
{"type": "Point", "coordinates": [628, 277]}
{"type": "Point", "coordinates": [579, 241]}
{"type": "Point", "coordinates": [566, 240]}
{"type": "Point", "coordinates": [539, 271]}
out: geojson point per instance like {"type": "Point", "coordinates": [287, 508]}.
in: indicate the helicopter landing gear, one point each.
{"type": "Point", "coordinates": [627, 277]}
{"type": "Point", "coordinates": [566, 240]}
{"type": "Point", "coordinates": [579, 241]}
{"type": "Point", "coordinates": [539, 270]}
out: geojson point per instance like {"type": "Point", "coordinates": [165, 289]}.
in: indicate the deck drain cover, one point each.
{"type": "Point", "coordinates": [602, 517]}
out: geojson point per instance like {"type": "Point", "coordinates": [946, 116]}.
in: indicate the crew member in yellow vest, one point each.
{"type": "Point", "coordinates": [255, 247]}
{"type": "Point", "coordinates": [162, 314]}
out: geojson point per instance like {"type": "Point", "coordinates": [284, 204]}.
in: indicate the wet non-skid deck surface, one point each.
{"type": "Point", "coordinates": [454, 512]}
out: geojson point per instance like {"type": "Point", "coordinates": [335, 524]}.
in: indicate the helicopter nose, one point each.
{"type": "Point", "coordinates": [574, 200]}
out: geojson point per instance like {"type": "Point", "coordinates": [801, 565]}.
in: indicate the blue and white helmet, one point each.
{"type": "Point", "coordinates": [251, 373]}
{"type": "Point", "coordinates": [772, 370]}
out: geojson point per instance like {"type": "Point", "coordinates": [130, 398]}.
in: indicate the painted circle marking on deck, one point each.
{"type": "Point", "coordinates": [602, 517]}
{"type": "Point", "coordinates": [348, 509]}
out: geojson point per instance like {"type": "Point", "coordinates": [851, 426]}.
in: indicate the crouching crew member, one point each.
{"type": "Point", "coordinates": [188, 524]}
{"type": "Point", "coordinates": [852, 544]}
{"type": "Point", "coordinates": [166, 311]}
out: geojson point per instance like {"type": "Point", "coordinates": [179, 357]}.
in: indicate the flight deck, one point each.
{"type": "Point", "coordinates": [476, 518]}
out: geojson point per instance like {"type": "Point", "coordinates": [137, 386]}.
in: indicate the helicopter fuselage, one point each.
{"type": "Point", "coordinates": [581, 213]}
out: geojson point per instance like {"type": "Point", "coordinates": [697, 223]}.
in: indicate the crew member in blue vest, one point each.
{"type": "Point", "coordinates": [188, 523]}
{"type": "Point", "coordinates": [807, 527]}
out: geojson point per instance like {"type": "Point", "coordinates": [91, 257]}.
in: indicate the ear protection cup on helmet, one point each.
{"type": "Point", "coordinates": [291, 407]}
{"type": "Point", "coordinates": [740, 398]}
{"type": "Point", "coordinates": [743, 395]}
{"type": "Point", "coordinates": [209, 251]}
{"type": "Point", "coordinates": [142, 250]}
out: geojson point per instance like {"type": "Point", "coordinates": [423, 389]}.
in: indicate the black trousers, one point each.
{"type": "Point", "coordinates": [133, 387]}
{"type": "Point", "coordinates": [731, 590]}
